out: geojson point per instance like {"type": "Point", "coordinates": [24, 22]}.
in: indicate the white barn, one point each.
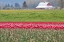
{"type": "Point", "coordinates": [44, 5]}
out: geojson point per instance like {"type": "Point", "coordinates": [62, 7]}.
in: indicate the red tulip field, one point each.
{"type": "Point", "coordinates": [32, 25]}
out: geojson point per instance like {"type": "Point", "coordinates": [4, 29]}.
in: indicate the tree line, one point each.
{"type": "Point", "coordinates": [32, 4]}
{"type": "Point", "coordinates": [15, 6]}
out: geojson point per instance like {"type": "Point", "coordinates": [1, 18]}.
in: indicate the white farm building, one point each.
{"type": "Point", "coordinates": [44, 5]}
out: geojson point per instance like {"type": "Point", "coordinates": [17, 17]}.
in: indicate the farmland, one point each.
{"type": "Point", "coordinates": [31, 35]}
{"type": "Point", "coordinates": [31, 15]}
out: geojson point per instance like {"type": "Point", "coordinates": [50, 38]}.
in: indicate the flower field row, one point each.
{"type": "Point", "coordinates": [33, 25]}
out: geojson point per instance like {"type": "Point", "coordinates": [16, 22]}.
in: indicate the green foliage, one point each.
{"type": "Point", "coordinates": [31, 35]}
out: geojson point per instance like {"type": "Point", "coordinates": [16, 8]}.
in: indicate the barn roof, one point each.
{"type": "Point", "coordinates": [44, 5]}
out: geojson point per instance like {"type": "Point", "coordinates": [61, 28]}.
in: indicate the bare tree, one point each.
{"type": "Point", "coordinates": [61, 3]}
{"type": "Point", "coordinates": [0, 7]}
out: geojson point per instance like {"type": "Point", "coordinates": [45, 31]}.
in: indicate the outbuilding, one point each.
{"type": "Point", "coordinates": [44, 5]}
